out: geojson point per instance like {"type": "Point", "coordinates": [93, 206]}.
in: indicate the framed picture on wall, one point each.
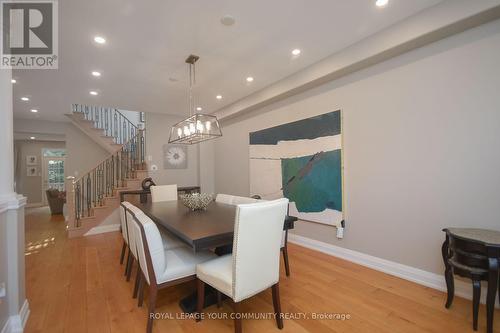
{"type": "Point", "coordinates": [174, 156]}
{"type": "Point", "coordinates": [32, 171]}
{"type": "Point", "coordinates": [31, 160]}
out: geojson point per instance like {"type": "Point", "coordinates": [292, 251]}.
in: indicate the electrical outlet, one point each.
{"type": "Point", "coordinates": [340, 232]}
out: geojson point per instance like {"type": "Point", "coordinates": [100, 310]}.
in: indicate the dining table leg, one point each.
{"type": "Point", "coordinates": [492, 292]}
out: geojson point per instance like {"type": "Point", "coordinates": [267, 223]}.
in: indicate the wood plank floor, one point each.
{"type": "Point", "coordinates": [77, 285]}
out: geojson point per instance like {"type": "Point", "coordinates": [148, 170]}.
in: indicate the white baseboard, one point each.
{"type": "Point", "coordinates": [35, 205]}
{"type": "Point", "coordinates": [16, 323]}
{"type": "Point", "coordinates": [100, 229]}
{"type": "Point", "coordinates": [428, 279]}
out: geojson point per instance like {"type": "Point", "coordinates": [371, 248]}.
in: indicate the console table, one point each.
{"type": "Point", "coordinates": [473, 253]}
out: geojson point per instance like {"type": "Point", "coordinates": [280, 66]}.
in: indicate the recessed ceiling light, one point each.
{"type": "Point", "coordinates": [25, 99]}
{"type": "Point", "coordinates": [381, 3]}
{"type": "Point", "coordinates": [34, 110]}
{"type": "Point", "coordinates": [198, 108]}
{"type": "Point", "coordinates": [99, 40]}
{"type": "Point", "coordinates": [218, 96]}
{"type": "Point", "coordinates": [32, 138]}
{"type": "Point", "coordinates": [96, 73]}
{"type": "Point", "coordinates": [13, 81]}
{"type": "Point", "coordinates": [296, 52]}
{"type": "Point", "coordinates": [93, 93]}
{"type": "Point", "coordinates": [249, 79]}
{"type": "Point", "coordinates": [227, 20]}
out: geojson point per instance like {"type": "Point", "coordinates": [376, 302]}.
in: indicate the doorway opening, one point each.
{"type": "Point", "coordinates": [53, 171]}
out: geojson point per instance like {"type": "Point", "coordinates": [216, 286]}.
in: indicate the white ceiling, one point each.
{"type": "Point", "coordinates": [148, 41]}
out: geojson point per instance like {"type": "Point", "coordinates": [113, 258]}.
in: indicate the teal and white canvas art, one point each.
{"type": "Point", "coordinates": [301, 161]}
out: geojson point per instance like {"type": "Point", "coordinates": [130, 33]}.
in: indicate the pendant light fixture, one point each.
{"type": "Point", "coordinates": [197, 127]}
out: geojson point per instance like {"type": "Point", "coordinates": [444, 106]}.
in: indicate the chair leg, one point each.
{"type": "Point", "coordinates": [128, 262]}
{"type": "Point", "coordinates": [122, 255]}
{"type": "Point", "coordinates": [277, 305]}
{"type": "Point", "coordinates": [129, 269]}
{"type": "Point", "coordinates": [153, 292]}
{"type": "Point", "coordinates": [237, 318]}
{"type": "Point", "coordinates": [476, 294]}
{"type": "Point", "coordinates": [284, 249]}
{"type": "Point", "coordinates": [141, 291]}
{"type": "Point", "coordinates": [137, 282]}
{"type": "Point", "coordinates": [219, 299]}
{"type": "Point", "coordinates": [201, 299]}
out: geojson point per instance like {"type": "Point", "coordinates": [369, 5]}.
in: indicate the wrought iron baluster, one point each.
{"type": "Point", "coordinates": [113, 172]}
{"type": "Point", "coordinates": [103, 184]}
{"type": "Point", "coordinates": [82, 203]}
{"type": "Point", "coordinates": [115, 124]}
{"type": "Point", "coordinates": [77, 202]}
{"type": "Point", "coordinates": [93, 188]}
{"type": "Point", "coordinates": [89, 195]}
{"type": "Point", "coordinates": [107, 178]}
{"type": "Point", "coordinates": [143, 147]}
{"type": "Point", "coordinates": [106, 125]}
{"type": "Point", "coordinates": [98, 185]}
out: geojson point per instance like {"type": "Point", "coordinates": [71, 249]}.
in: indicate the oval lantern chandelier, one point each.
{"type": "Point", "coordinates": [197, 127]}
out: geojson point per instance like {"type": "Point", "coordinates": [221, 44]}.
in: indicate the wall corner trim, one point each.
{"type": "Point", "coordinates": [16, 323]}
{"type": "Point", "coordinates": [419, 276]}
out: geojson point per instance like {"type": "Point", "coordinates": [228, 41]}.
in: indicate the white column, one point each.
{"type": "Point", "coordinates": [6, 136]}
{"type": "Point", "coordinates": [14, 308]}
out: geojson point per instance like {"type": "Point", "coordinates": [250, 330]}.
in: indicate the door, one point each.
{"type": "Point", "coordinates": [53, 175]}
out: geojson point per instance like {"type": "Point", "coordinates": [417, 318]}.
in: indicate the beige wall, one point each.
{"type": "Point", "coordinates": [421, 147]}
{"type": "Point", "coordinates": [83, 153]}
{"type": "Point", "coordinates": [31, 187]}
{"type": "Point", "coordinates": [157, 134]}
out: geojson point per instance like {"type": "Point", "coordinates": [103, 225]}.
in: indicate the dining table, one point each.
{"type": "Point", "coordinates": [208, 229]}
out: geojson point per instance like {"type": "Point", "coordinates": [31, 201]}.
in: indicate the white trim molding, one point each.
{"type": "Point", "coordinates": [35, 205]}
{"type": "Point", "coordinates": [12, 201]}
{"type": "Point", "coordinates": [100, 229]}
{"type": "Point", "coordinates": [16, 323]}
{"type": "Point", "coordinates": [428, 279]}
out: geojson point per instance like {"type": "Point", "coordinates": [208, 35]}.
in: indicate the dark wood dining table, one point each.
{"type": "Point", "coordinates": [202, 229]}
{"type": "Point", "coordinates": [212, 228]}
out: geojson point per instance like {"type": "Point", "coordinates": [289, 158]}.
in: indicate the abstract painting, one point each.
{"type": "Point", "coordinates": [174, 156]}
{"type": "Point", "coordinates": [301, 161]}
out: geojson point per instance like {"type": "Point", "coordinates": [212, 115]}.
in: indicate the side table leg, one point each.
{"type": "Point", "coordinates": [476, 294]}
{"type": "Point", "coordinates": [448, 274]}
{"type": "Point", "coordinates": [492, 293]}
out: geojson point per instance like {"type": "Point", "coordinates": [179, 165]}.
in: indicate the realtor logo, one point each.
{"type": "Point", "coordinates": [29, 33]}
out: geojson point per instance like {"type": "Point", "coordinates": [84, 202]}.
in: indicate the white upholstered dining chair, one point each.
{"type": "Point", "coordinates": [162, 268]}
{"type": "Point", "coordinates": [224, 198]}
{"type": "Point", "coordinates": [163, 193]}
{"type": "Point", "coordinates": [124, 230]}
{"type": "Point", "coordinates": [249, 269]}
{"type": "Point", "coordinates": [169, 242]}
{"type": "Point", "coordinates": [236, 200]}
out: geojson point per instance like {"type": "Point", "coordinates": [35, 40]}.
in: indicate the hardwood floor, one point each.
{"type": "Point", "coordinates": [77, 285]}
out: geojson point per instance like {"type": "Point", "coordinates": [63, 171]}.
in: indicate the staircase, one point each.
{"type": "Point", "coordinates": [95, 196]}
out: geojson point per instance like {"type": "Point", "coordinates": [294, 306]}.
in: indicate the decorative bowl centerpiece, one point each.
{"type": "Point", "coordinates": [196, 201]}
